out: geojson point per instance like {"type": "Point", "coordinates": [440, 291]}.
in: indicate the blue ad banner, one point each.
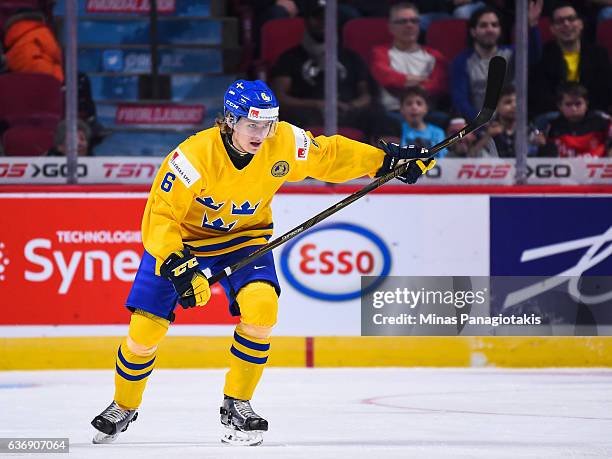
{"type": "Point", "coordinates": [560, 250]}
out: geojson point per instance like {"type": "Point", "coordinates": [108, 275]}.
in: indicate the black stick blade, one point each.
{"type": "Point", "coordinates": [495, 82]}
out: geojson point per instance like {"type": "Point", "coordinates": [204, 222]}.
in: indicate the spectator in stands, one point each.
{"type": "Point", "coordinates": [577, 132]}
{"type": "Point", "coordinates": [266, 10]}
{"type": "Point", "coordinates": [405, 63]}
{"type": "Point", "coordinates": [87, 110]}
{"type": "Point", "coordinates": [469, 146]}
{"type": "Point", "coordinates": [499, 137]}
{"type": "Point", "coordinates": [469, 69]}
{"type": "Point", "coordinates": [83, 140]}
{"type": "Point", "coordinates": [31, 46]}
{"type": "Point", "coordinates": [568, 58]}
{"type": "Point", "coordinates": [298, 79]}
{"type": "Point", "coordinates": [415, 131]}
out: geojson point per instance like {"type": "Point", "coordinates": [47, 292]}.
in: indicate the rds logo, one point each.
{"type": "Point", "coordinates": [327, 262]}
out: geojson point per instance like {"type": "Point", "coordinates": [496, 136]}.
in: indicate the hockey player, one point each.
{"type": "Point", "coordinates": [209, 207]}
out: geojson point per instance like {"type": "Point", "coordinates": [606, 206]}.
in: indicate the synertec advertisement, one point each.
{"type": "Point", "coordinates": [68, 259]}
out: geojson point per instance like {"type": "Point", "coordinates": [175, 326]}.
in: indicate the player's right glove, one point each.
{"type": "Point", "coordinates": [182, 269]}
{"type": "Point", "coordinates": [395, 155]}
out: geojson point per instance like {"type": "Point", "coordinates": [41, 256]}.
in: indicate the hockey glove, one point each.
{"type": "Point", "coordinates": [397, 155]}
{"type": "Point", "coordinates": [182, 269]}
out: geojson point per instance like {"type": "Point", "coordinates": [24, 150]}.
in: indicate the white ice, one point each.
{"type": "Point", "coordinates": [330, 413]}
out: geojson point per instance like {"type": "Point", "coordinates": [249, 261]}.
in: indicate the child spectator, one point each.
{"type": "Point", "coordinates": [469, 146]}
{"type": "Point", "coordinates": [415, 131]}
{"type": "Point", "coordinates": [499, 137]}
{"type": "Point", "coordinates": [31, 46]}
{"type": "Point", "coordinates": [577, 132]}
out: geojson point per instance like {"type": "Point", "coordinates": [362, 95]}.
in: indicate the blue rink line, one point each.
{"type": "Point", "coordinates": [18, 386]}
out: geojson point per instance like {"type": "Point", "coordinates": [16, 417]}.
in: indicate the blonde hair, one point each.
{"type": "Point", "coordinates": [221, 123]}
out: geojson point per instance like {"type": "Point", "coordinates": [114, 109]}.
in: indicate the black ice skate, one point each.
{"type": "Point", "coordinates": [111, 422]}
{"type": "Point", "coordinates": [244, 427]}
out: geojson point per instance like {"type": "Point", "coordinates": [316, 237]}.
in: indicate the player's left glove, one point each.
{"type": "Point", "coordinates": [182, 269]}
{"type": "Point", "coordinates": [395, 155]}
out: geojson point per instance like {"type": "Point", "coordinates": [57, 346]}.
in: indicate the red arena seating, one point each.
{"type": "Point", "coordinates": [31, 98]}
{"type": "Point", "coordinates": [279, 35]}
{"type": "Point", "coordinates": [363, 34]}
{"type": "Point", "coordinates": [449, 36]}
{"type": "Point", "coordinates": [604, 35]}
{"type": "Point", "coordinates": [27, 141]}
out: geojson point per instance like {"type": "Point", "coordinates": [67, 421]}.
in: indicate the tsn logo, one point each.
{"type": "Point", "coordinates": [129, 170]}
{"type": "Point", "coordinates": [599, 170]}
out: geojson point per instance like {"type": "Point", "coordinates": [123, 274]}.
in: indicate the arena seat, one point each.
{"type": "Point", "coordinates": [279, 35]}
{"type": "Point", "coordinates": [27, 140]}
{"type": "Point", "coordinates": [31, 98]}
{"type": "Point", "coordinates": [449, 36]}
{"type": "Point", "coordinates": [604, 35]}
{"type": "Point", "coordinates": [362, 34]}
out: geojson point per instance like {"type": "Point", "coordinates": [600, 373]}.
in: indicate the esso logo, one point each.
{"type": "Point", "coordinates": [327, 262]}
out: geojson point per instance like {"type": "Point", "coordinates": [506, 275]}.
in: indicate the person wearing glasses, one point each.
{"type": "Point", "coordinates": [405, 63]}
{"type": "Point", "coordinates": [569, 58]}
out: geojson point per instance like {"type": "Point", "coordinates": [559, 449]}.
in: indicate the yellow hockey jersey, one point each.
{"type": "Point", "coordinates": [200, 200]}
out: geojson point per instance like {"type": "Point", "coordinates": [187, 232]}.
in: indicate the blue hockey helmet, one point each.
{"type": "Point", "coordinates": [251, 99]}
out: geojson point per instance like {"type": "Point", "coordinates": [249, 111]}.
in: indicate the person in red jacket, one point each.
{"type": "Point", "coordinates": [405, 63]}
{"type": "Point", "coordinates": [31, 46]}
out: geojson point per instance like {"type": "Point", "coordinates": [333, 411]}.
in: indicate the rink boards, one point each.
{"type": "Point", "coordinates": [67, 260]}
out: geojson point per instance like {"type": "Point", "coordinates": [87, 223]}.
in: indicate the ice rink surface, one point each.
{"type": "Point", "coordinates": [329, 413]}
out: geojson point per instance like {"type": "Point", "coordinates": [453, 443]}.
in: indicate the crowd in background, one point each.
{"type": "Point", "coordinates": [410, 92]}
{"type": "Point", "coordinates": [407, 91]}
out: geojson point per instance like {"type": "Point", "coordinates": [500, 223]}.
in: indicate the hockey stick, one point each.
{"type": "Point", "coordinates": [495, 80]}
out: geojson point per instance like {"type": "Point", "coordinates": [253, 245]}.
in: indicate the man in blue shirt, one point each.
{"type": "Point", "coordinates": [469, 69]}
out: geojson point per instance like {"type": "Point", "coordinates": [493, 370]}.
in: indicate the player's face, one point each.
{"type": "Point", "coordinates": [249, 135]}
{"type": "Point", "coordinates": [573, 108]}
{"type": "Point", "coordinates": [414, 109]}
{"type": "Point", "coordinates": [566, 25]}
{"type": "Point", "coordinates": [404, 25]}
{"type": "Point", "coordinates": [487, 30]}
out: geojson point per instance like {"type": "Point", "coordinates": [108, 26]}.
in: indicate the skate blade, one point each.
{"type": "Point", "coordinates": [236, 437]}
{"type": "Point", "coordinates": [100, 438]}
